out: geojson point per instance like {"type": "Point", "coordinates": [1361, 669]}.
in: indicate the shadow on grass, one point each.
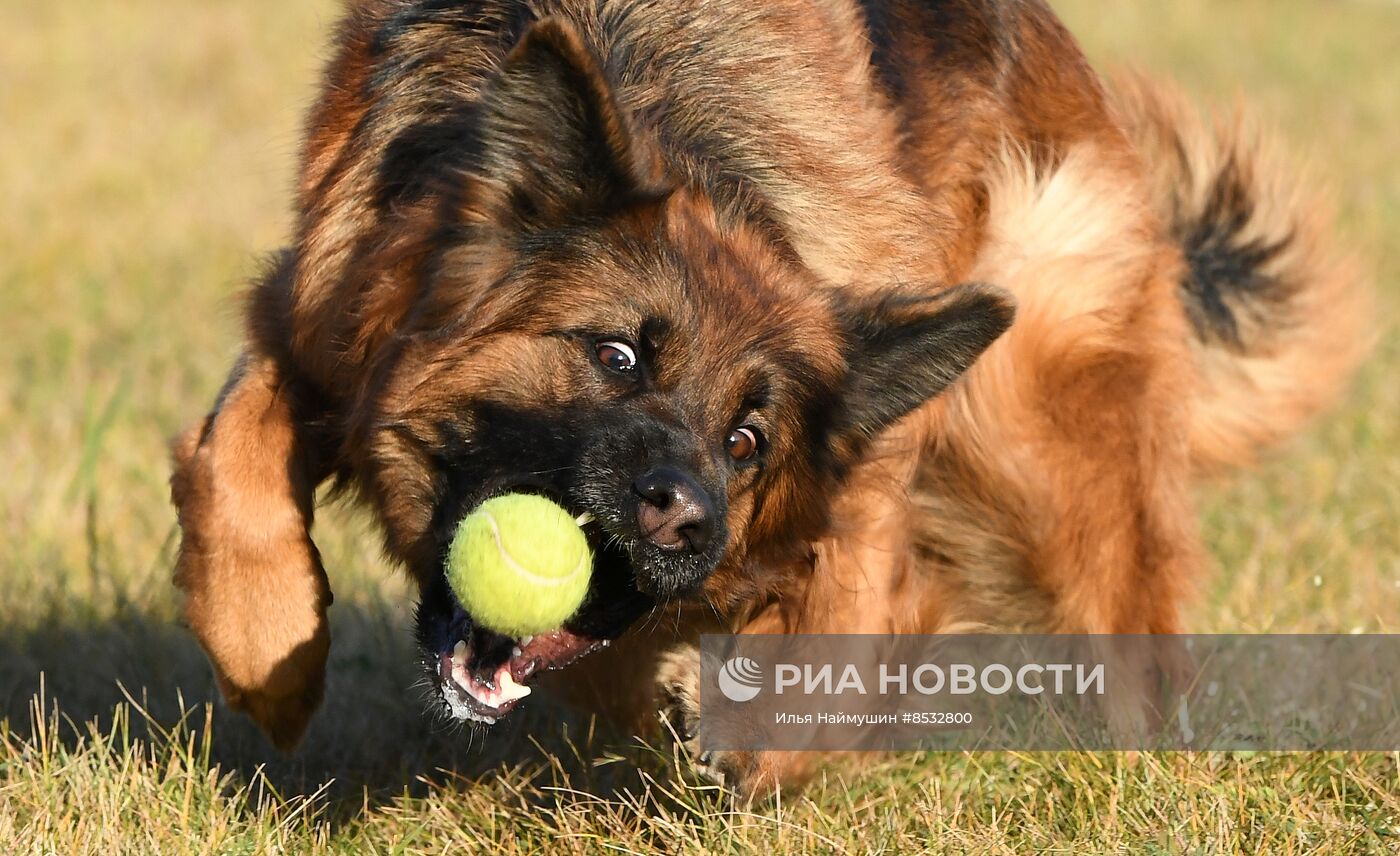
{"type": "Point", "coordinates": [374, 740]}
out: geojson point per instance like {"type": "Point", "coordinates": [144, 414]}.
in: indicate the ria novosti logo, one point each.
{"type": "Point", "coordinates": [740, 679]}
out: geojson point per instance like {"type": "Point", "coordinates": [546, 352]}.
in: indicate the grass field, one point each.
{"type": "Point", "coordinates": [146, 161]}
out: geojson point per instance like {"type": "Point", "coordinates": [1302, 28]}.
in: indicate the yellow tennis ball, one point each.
{"type": "Point", "coordinates": [519, 564]}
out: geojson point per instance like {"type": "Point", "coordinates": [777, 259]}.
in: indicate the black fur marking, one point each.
{"type": "Point", "coordinates": [1226, 279]}
{"type": "Point", "coordinates": [881, 25]}
{"type": "Point", "coordinates": [425, 157]}
{"type": "Point", "coordinates": [908, 37]}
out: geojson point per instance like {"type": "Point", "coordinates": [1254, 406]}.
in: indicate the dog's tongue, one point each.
{"type": "Point", "coordinates": [489, 655]}
{"type": "Point", "coordinates": [553, 650]}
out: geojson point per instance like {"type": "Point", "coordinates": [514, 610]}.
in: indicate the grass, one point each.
{"type": "Point", "coordinates": [147, 159]}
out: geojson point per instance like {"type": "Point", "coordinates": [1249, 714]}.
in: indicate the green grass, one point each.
{"type": "Point", "coordinates": [146, 160]}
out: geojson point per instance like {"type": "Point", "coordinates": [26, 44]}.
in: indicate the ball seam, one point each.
{"type": "Point", "coordinates": [523, 571]}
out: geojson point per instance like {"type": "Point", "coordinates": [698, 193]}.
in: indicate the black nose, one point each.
{"type": "Point", "coordinates": [673, 511]}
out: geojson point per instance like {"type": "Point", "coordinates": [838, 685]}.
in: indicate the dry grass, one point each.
{"type": "Point", "coordinates": [146, 159]}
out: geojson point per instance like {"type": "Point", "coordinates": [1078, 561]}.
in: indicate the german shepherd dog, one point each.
{"type": "Point", "coordinates": [878, 316]}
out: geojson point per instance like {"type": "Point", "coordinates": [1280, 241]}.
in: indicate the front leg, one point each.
{"type": "Point", "coordinates": [255, 594]}
{"type": "Point", "coordinates": [857, 581]}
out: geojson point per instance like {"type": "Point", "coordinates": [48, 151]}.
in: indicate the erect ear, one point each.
{"type": "Point", "coordinates": [255, 592]}
{"type": "Point", "coordinates": [554, 140]}
{"type": "Point", "coordinates": [904, 349]}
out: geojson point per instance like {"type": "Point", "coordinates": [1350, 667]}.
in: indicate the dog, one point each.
{"type": "Point", "coordinates": [837, 316]}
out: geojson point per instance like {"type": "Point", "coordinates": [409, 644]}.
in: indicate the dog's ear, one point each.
{"type": "Point", "coordinates": [902, 349]}
{"type": "Point", "coordinates": [255, 591]}
{"type": "Point", "coordinates": [555, 143]}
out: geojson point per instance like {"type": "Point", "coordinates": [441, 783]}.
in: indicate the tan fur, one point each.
{"type": "Point", "coordinates": [1075, 464]}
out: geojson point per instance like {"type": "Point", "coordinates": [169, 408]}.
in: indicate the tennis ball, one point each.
{"type": "Point", "coordinates": [519, 564]}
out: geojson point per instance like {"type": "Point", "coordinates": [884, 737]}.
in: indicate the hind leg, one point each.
{"type": "Point", "coordinates": [1072, 432]}
{"type": "Point", "coordinates": [1108, 530]}
{"type": "Point", "coordinates": [1120, 546]}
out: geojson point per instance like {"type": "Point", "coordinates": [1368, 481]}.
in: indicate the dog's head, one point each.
{"type": "Point", "coordinates": [664, 375]}
{"type": "Point", "coordinates": [587, 325]}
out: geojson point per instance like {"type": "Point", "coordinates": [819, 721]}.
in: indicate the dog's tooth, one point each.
{"type": "Point", "coordinates": [515, 652]}
{"type": "Point", "coordinates": [507, 688]}
{"type": "Point", "coordinates": [526, 641]}
{"type": "Point", "coordinates": [459, 652]}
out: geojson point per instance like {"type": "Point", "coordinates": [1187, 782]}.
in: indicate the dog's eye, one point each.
{"type": "Point", "coordinates": [618, 356]}
{"type": "Point", "coordinates": [742, 443]}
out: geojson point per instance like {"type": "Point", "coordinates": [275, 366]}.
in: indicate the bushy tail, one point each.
{"type": "Point", "coordinates": [1280, 314]}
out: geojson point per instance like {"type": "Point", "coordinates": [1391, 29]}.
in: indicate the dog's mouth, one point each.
{"type": "Point", "coordinates": [482, 675]}
{"type": "Point", "coordinates": [483, 678]}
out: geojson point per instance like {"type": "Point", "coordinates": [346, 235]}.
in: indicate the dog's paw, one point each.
{"type": "Point", "coordinates": [739, 773]}
{"type": "Point", "coordinates": [678, 688]}
{"type": "Point", "coordinates": [284, 695]}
